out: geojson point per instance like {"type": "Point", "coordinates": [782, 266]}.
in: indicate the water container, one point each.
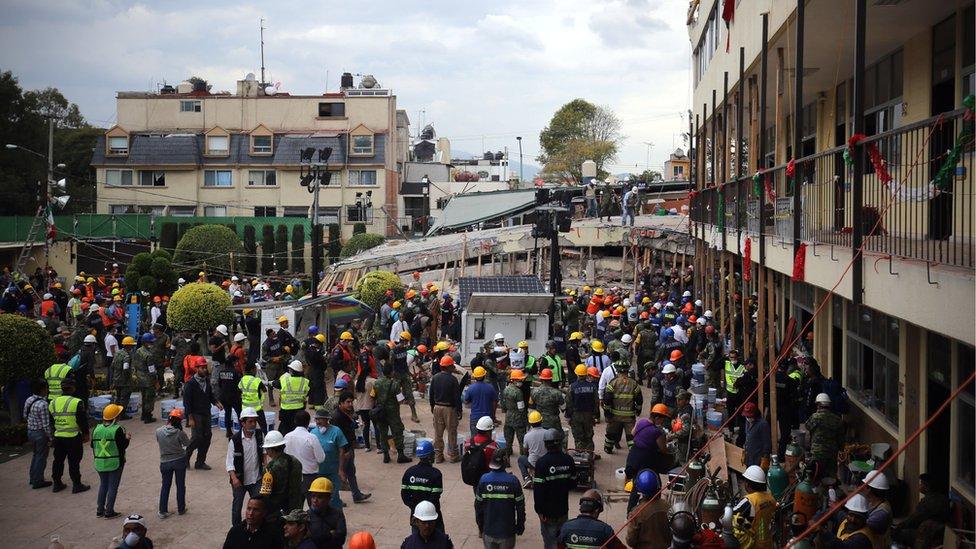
{"type": "Point", "coordinates": [135, 403]}
{"type": "Point", "coordinates": [500, 440]}
{"type": "Point", "coordinates": [714, 420]}
{"type": "Point", "coordinates": [359, 435]}
{"type": "Point", "coordinates": [698, 372]}
{"type": "Point", "coordinates": [166, 406]}
{"type": "Point", "coordinates": [698, 403]}
{"type": "Point", "coordinates": [216, 416]}
{"type": "Point", "coordinates": [712, 395]}
{"type": "Point", "coordinates": [270, 418]}
{"type": "Point", "coordinates": [409, 443]}
{"type": "Point", "coordinates": [97, 404]}
{"type": "Point", "coordinates": [460, 443]}
{"type": "Point", "coordinates": [417, 395]}
{"type": "Point", "coordinates": [619, 479]}
{"type": "Point", "coordinates": [236, 422]}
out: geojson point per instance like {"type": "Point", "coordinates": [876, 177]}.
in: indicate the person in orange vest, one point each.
{"type": "Point", "coordinates": [342, 357]}
{"type": "Point", "coordinates": [48, 305]}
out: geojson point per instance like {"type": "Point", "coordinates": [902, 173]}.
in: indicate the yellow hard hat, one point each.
{"type": "Point", "coordinates": [434, 288]}
{"type": "Point", "coordinates": [57, 285]}
{"type": "Point", "coordinates": [629, 487]}
{"type": "Point", "coordinates": [523, 344]}
{"type": "Point", "coordinates": [597, 345]}
{"type": "Point", "coordinates": [646, 300]}
{"type": "Point", "coordinates": [580, 370]}
{"type": "Point", "coordinates": [289, 289]}
{"type": "Point", "coordinates": [114, 284]}
{"type": "Point", "coordinates": [604, 314]}
{"type": "Point", "coordinates": [111, 412]}
{"type": "Point", "coordinates": [282, 318]}
{"type": "Point", "coordinates": [247, 311]}
{"type": "Point", "coordinates": [405, 335]}
{"type": "Point", "coordinates": [535, 417]}
{"type": "Point", "coordinates": [479, 373]}
{"type": "Point", "coordinates": [586, 288]}
{"type": "Point", "coordinates": [345, 336]}
{"type": "Point", "coordinates": [321, 485]}
{"type": "Point", "coordinates": [599, 291]}
{"type": "Point", "coordinates": [128, 340]}
{"type": "Point", "coordinates": [320, 338]}
{"type": "Point", "coordinates": [441, 346]}
{"type": "Point", "coordinates": [90, 279]}
{"type": "Point", "coordinates": [201, 273]}
{"type": "Point", "coordinates": [575, 336]}
{"type": "Point", "coordinates": [396, 304]}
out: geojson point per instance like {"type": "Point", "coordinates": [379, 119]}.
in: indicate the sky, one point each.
{"type": "Point", "coordinates": [482, 73]}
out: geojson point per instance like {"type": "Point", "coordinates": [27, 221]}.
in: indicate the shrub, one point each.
{"type": "Point", "coordinates": [335, 242]}
{"type": "Point", "coordinates": [27, 349]}
{"type": "Point", "coordinates": [267, 249]}
{"type": "Point", "coordinates": [168, 236]}
{"type": "Point", "coordinates": [371, 288]}
{"type": "Point", "coordinates": [360, 242]}
{"type": "Point", "coordinates": [199, 307]}
{"type": "Point", "coordinates": [281, 248]}
{"type": "Point", "coordinates": [208, 247]}
{"type": "Point", "coordinates": [251, 249]}
{"type": "Point", "coordinates": [358, 228]}
{"type": "Point", "coordinates": [298, 249]}
{"type": "Point", "coordinates": [151, 272]}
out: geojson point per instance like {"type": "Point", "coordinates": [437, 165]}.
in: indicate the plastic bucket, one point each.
{"type": "Point", "coordinates": [698, 403]}
{"type": "Point", "coordinates": [166, 406]}
{"type": "Point", "coordinates": [215, 417]}
{"type": "Point", "coordinates": [500, 440]}
{"type": "Point", "coordinates": [135, 403]}
{"type": "Point", "coordinates": [271, 418]}
{"type": "Point", "coordinates": [619, 479]}
{"type": "Point", "coordinates": [714, 420]}
{"type": "Point", "coordinates": [97, 404]}
{"type": "Point", "coordinates": [712, 395]}
{"type": "Point", "coordinates": [698, 372]}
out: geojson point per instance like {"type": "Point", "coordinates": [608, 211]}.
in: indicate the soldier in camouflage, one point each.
{"type": "Point", "coordinates": [122, 378]}
{"type": "Point", "coordinates": [582, 407]}
{"type": "Point", "coordinates": [161, 351]}
{"type": "Point", "coordinates": [826, 436]}
{"type": "Point", "coordinates": [180, 347]}
{"type": "Point", "coordinates": [622, 402]}
{"type": "Point", "coordinates": [548, 399]}
{"type": "Point", "coordinates": [646, 342]}
{"type": "Point", "coordinates": [144, 368]}
{"type": "Point", "coordinates": [516, 412]}
{"type": "Point", "coordinates": [385, 394]}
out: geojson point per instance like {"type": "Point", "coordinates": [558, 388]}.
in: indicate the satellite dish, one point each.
{"type": "Point", "coordinates": [250, 77]}
{"type": "Point", "coordinates": [270, 90]}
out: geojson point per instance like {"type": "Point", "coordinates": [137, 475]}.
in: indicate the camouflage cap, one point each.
{"type": "Point", "coordinates": [296, 515]}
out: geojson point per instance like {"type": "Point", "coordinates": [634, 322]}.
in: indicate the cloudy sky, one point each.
{"type": "Point", "coordinates": [481, 72]}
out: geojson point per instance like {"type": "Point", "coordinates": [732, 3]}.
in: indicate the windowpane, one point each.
{"type": "Point", "coordinates": [884, 80]}
{"type": "Point", "coordinates": [217, 178]}
{"type": "Point", "coordinates": [891, 391]}
{"type": "Point", "coordinates": [118, 145]}
{"type": "Point", "coordinates": [218, 144]}
{"type": "Point", "coordinates": [265, 211]}
{"type": "Point", "coordinates": [362, 144]}
{"type": "Point", "coordinates": [215, 211]}
{"type": "Point", "coordinates": [362, 177]}
{"type": "Point", "coordinates": [191, 106]}
{"type": "Point", "coordinates": [261, 143]}
{"type": "Point", "coordinates": [182, 211]}
{"type": "Point", "coordinates": [332, 109]}
{"type": "Point", "coordinates": [261, 178]}
{"type": "Point", "coordinates": [355, 214]}
{"type": "Point", "coordinates": [118, 177]}
{"type": "Point", "coordinates": [152, 179]}
{"type": "Point", "coordinates": [295, 211]}
{"type": "Point", "coordinates": [328, 215]}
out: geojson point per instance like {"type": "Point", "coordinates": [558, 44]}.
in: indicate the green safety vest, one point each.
{"type": "Point", "coordinates": [107, 455]}
{"type": "Point", "coordinates": [54, 375]}
{"type": "Point", "coordinates": [250, 393]}
{"type": "Point", "coordinates": [64, 409]}
{"type": "Point", "coordinates": [293, 392]}
{"type": "Point", "coordinates": [554, 363]}
{"type": "Point", "coordinates": [732, 373]}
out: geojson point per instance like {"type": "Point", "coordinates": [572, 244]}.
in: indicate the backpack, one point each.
{"type": "Point", "coordinates": [632, 200]}
{"type": "Point", "coordinates": [473, 463]}
{"type": "Point", "coordinates": [839, 401]}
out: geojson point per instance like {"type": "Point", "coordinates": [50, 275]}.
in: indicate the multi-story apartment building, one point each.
{"type": "Point", "coordinates": [189, 152]}
{"type": "Point", "coordinates": [774, 187]}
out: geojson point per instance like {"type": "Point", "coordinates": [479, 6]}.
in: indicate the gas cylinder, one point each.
{"type": "Point", "coordinates": [793, 455]}
{"type": "Point", "coordinates": [696, 471]}
{"type": "Point", "coordinates": [806, 500]}
{"type": "Point", "coordinates": [711, 509]}
{"type": "Point", "coordinates": [776, 478]}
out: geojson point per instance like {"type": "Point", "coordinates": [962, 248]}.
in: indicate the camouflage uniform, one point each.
{"type": "Point", "coordinates": [144, 372]}
{"type": "Point", "coordinates": [160, 349]}
{"type": "Point", "coordinates": [386, 390]}
{"type": "Point", "coordinates": [547, 400]}
{"type": "Point", "coordinates": [622, 402]}
{"type": "Point", "coordinates": [645, 350]}
{"type": "Point", "coordinates": [181, 348]}
{"type": "Point", "coordinates": [826, 435]}
{"type": "Point", "coordinates": [516, 417]}
{"type": "Point", "coordinates": [285, 492]}
{"type": "Point", "coordinates": [122, 378]}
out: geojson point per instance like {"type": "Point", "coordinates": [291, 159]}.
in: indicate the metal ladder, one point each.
{"type": "Point", "coordinates": [40, 220]}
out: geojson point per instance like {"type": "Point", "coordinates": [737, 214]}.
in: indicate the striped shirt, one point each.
{"type": "Point", "coordinates": [38, 417]}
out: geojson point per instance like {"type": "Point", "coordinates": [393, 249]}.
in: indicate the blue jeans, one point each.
{"type": "Point", "coordinates": [108, 488]}
{"type": "Point", "coordinates": [39, 459]}
{"type": "Point", "coordinates": [252, 490]}
{"type": "Point", "coordinates": [628, 212]}
{"type": "Point", "coordinates": [350, 471]}
{"type": "Point", "coordinates": [523, 465]}
{"type": "Point", "coordinates": [591, 208]}
{"type": "Point", "coordinates": [169, 469]}
{"type": "Point", "coordinates": [550, 531]}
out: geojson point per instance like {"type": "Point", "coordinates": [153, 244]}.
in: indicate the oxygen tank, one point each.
{"type": "Point", "coordinates": [711, 509]}
{"type": "Point", "coordinates": [792, 457]}
{"type": "Point", "coordinates": [776, 478]}
{"type": "Point", "coordinates": [696, 471]}
{"type": "Point", "coordinates": [806, 500]}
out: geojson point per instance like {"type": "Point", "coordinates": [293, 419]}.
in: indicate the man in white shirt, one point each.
{"type": "Point", "coordinates": [305, 447]}
{"type": "Point", "coordinates": [680, 333]}
{"type": "Point", "coordinates": [245, 456]}
{"type": "Point", "coordinates": [111, 347]}
{"type": "Point", "coordinates": [399, 327]}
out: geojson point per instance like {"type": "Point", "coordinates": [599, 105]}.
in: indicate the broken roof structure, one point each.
{"type": "Point", "coordinates": [465, 210]}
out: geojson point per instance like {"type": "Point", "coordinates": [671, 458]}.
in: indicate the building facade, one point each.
{"type": "Point", "coordinates": [195, 153]}
{"type": "Point", "coordinates": [866, 242]}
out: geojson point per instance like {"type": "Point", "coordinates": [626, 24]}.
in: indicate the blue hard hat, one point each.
{"type": "Point", "coordinates": [425, 448]}
{"type": "Point", "coordinates": [148, 338]}
{"type": "Point", "coordinates": [668, 332]}
{"type": "Point", "coordinates": [341, 383]}
{"type": "Point", "coordinates": [647, 483]}
{"type": "Point", "coordinates": [313, 329]}
{"type": "Point", "coordinates": [446, 296]}
{"type": "Point", "coordinates": [681, 320]}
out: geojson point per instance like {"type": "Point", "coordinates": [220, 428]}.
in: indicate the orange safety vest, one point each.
{"type": "Point", "coordinates": [47, 306]}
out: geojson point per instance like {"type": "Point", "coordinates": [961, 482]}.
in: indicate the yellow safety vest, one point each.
{"type": "Point", "coordinates": [250, 392]}
{"type": "Point", "coordinates": [763, 509]}
{"type": "Point", "coordinates": [54, 375]}
{"type": "Point", "coordinates": [732, 374]}
{"type": "Point", "coordinates": [64, 409]}
{"type": "Point", "coordinates": [842, 535]}
{"type": "Point", "coordinates": [293, 392]}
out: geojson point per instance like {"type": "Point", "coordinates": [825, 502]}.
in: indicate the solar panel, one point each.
{"type": "Point", "coordinates": [517, 284]}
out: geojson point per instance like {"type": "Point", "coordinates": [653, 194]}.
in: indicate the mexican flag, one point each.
{"type": "Point", "coordinates": [52, 231]}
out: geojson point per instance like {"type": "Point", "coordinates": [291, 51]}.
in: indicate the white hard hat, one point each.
{"type": "Point", "coordinates": [857, 504]}
{"type": "Point", "coordinates": [698, 303]}
{"type": "Point", "coordinates": [701, 321]}
{"type": "Point", "coordinates": [498, 336]}
{"type": "Point", "coordinates": [876, 480]}
{"type": "Point", "coordinates": [273, 439]}
{"type": "Point", "coordinates": [425, 511]}
{"type": "Point", "coordinates": [753, 473]}
{"type": "Point", "coordinates": [669, 369]}
{"type": "Point", "coordinates": [248, 412]}
{"type": "Point", "coordinates": [181, 281]}
{"type": "Point", "coordinates": [707, 314]}
{"type": "Point", "coordinates": [239, 337]}
{"type": "Point", "coordinates": [238, 293]}
{"type": "Point", "coordinates": [48, 296]}
{"type": "Point", "coordinates": [485, 424]}
{"type": "Point", "coordinates": [94, 309]}
{"type": "Point", "coordinates": [686, 294]}
{"type": "Point", "coordinates": [41, 323]}
{"type": "Point", "coordinates": [627, 303]}
{"type": "Point", "coordinates": [626, 338]}
{"type": "Point", "coordinates": [295, 365]}
{"type": "Point", "coordinates": [669, 304]}
{"type": "Point", "coordinates": [234, 279]}
{"type": "Point", "coordinates": [823, 398]}
{"type": "Point", "coordinates": [90, 339]}
{"type": "Point", "coordinates": [222, 329]}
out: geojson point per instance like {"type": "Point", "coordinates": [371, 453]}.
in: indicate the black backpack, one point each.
{"type": "Point", "coordinates": [473, 463]}
{"type": "Point", "coordinates": [839, 401]}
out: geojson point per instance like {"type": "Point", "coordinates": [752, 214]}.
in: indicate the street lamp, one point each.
{"type": "Point", "coordinates": [313, 173]}
{"type": "Point", "coordinates": [519, 139]}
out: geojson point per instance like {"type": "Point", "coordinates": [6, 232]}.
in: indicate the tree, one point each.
{"type": "Point", "coordinates": [649, 176]}
{"type": "Point", "coordinates": [359, 243]}
{"type": "Point", "coordinates": [151, 272]}
{"type": "Point", "coordinates": [298, 248]}
{"type": "Point", "coordinates": [251, 249]}
{"type": "Point", "coordinates": [579, 131]}
{"type": "Point", "coordinates": [267, 249]}
{"type": "Point", "coordinates": [167, 236]}
{"type": "Point", "coordinates": [281, 248]}
{"type": "Point", "coordinates": [335, 242]}
{"type": "Point", "coordinates": [199, 307]}
{"type": "Point", "coordinates": [27, 351]}
{"type": "Point", "coordinates": [372, 287]}
{"type": "Point", "coordinates": [358, 228]}
{"type": "Point", "coordinates": [208, 248]}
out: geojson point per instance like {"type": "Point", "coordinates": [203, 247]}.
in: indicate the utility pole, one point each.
{"type": "Point", "coordinates": [519, 139]}
{"type": "Point", "coordinates": [313, 174]}
{"type": "Point", "coordinates": [262, 54]}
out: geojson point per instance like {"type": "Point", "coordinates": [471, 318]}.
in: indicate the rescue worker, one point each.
{"type": "Point", "coordinates": [553, 362]}
{"type": "Point", "coordinates": [787, 403]}
{"type": "Point", "coordinates": [482, 396]}
{"type": "Point", "coordinates": [665, 386]}
{"type": "Point", "coordinates": [426, 534]}
{"type": "Point", "coordinates": [327, 523]}
{"type": "Point", "coordinates": [573, 355]}
{"type": "Point", "coordinates": [530, 364]}
{"type": "Point", "coordinates": [646, 343]}
{"type": "Point", "coordinates": [752, 517]}
{"type": "Point", "coordinates": [109, 441]}
{"type": "Point", "coordinates": [228, 389]}
{"type": "Point", "coordinates": [826, 437]}
{"type": "Point", "coordinates": [535, 444]}
{"type": "Point", "coordinates": [316, 368]}
{"type": "Point", "coordinates": [853, 532]}
{"type": "Point", "coordinates": [423, 482]}
{"type": "Point", "coordinates": [401, 372]}
{"type": "Point", "coordinates": [70, 432]}
{"type": "Point", "coordinates": [180, 347]}
{"type": "Point", "coordinates": [548, 400]}
{"type": "Point", "coordinates": [294, 395]}
{"type": "Point", "coordinates": [288, 342]}
{"type": "Point", "coordinates": [445, 406]}
{"type": "Point", "coordinates": [386, 394]}
{"type": "Point", "coordinates": [711, 357]}
{"type": "Point", "coordinates": [682, 426]}
{"type": "Point", "coordinates": [758, 438]}
{"type": "Point", "coordinates": [587, 531]}
{"type": "Point", "coordinates": [55, 374]}
{"type": "Point", "coordinates": [144, 368]}
{"type": "Point", "coordinates": [554, 478]}
{"type": "Point", "coordinates": [880, 514]}
{"type": "Point", "coordinates": [648, 524]}
{"type": "Point", "coordinates": [252, 394]}
{"type": "Point", "coordinates": [499, 505]}
{"type": "Point", "coordinates": [516, 411]}
{"type": "Point", "coordinates": [622, 402]}
{"type": "Point", "coordinates": [732, 371]}
{"type": "Point", "coordinates": [282, 481]}
{"type": "Point", "coordinates": [275, 358]}
{"type": "Point", "coordinates": [342, 356]}
{"type": "Point", "coordinates": [582, 406]}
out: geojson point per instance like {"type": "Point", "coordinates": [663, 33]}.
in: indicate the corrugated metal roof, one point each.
{"type": "Point", "coordinates": [469, 209]}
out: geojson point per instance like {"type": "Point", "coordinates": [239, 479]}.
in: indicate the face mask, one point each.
{"type": "Point", "coordinates": [132, 539]}
{"type": "Point", "coordinates": [324, 429]}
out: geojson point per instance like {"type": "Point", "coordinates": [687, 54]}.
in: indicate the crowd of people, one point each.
{"type": "Point", "coordinates": [636, 360]}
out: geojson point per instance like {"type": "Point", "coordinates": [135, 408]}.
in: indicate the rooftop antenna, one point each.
{"type": "Point", "coordinates": [262, 52]}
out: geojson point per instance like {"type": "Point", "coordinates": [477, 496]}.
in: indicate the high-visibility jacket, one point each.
{"type": "Point", "coordinates": [842, 534]}
{"type": "Point", "coordinates": [47, 306]}
{"type": "Point", "coordinates": [64, 410]}
{"type": "Point", "coordinates": [107, 453]}
{"type": "Point", "coordinates": [732, 374]}
{"type": "Point", "coordinates": [760, 534]}
{"type": "Point", "coordinates": [622, 398]}
{"type": "Point", "coordinates": [250, 387]}
{"type": "Point", "coordinates": [554, 363]}
{"type": "Point", "coordinates": [294, 390]}
{"type": "Point", "coordinates": [54, 375]}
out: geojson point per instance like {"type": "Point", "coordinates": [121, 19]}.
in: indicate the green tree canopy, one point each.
{"type": "Point", "coordinates": [579, 131]}
{"type": "Point", "coordinates": [208, 247]}
{"type": "Point", "coordinates": [27, 351]}
{"type": "Point", "coordinates": [151, 272]}
{"type": "Point", "coordinates": [360, 242]}
{"type": "Point", "coordinates": [371, 288]}
{"type": "Point", "coordinates": [199, 307]}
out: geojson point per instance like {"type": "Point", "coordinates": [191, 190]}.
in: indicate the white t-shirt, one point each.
{"type": "Point", "coordinates": [111, 344]}
{"type": "Point", "coordinates": [251, 465]}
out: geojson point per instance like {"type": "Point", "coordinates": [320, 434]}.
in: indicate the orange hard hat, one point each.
{"type": "Point", "coordinates": [157, 299]}
{"type": "Point", "coordinates": [447, 360]}
{"type": "Point", "coordinates": [362, 540]}
{"type": "Point", "coordinates": [660, 409]}
{"type": "Point", "coordinates": [546, 374]}
{"type": "Point", "coordinates": [592, 371]}
{"type": "Point", "coordinates": [416, 275]}
{"type": "Point", "coordinates": [517, 375]}
{"type": "Point", "coordinates": [422, 349]}
{"type": "Point", "coordinates": [644, 315]}
{"type": "Point", "coordinates": [176, 412]}
{"type": "Point", "coordinates": [692, 319]}
{"type": "Point", "coordinates": [676, 354]}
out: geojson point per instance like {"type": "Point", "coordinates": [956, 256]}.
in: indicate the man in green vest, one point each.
{"type": "Point", "coordinates": [294, 393]}
{"type": "Point", "coordinates": [109, 441]}
{"type": "Point", "coordinates": [733, 371]}
{"type": "Point", "coordinates": [122, 378]}
{"type": "Point", "coordinates": [554, 362]}
{"type": "Point", "coordinates": [55, 374]}
{"type": "Point", "coordinates": [252, 394]}
{"type": "Point", "coordinates": [70, 435]}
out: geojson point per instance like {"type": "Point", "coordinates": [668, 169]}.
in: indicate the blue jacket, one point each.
{"type": "Point", "coordinates": [759, 441]}
{"type": "Point", "coordinates": [585, 531]}
{"type": "Point", "coordinates": [438, 540]}
{"type": "Point", "coordinates": [482, 397]}
{"type": "Point", "coordinates": [499, 505]}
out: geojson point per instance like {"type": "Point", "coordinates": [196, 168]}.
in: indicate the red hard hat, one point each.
{"type": "Point", "coordinates": [362, 540]}
{"type": "Point", "coordinates": [750, 409]}
{"type": "Point", "coordinates": [709, 329]}
{"type": "Point", "coordinates": [447, 360]}
{"type": "Point", "coordinates": [593, 371]}
{"type": "Point", "coordinates": [422, 349]}
{"type": "Point", "coordinates": [200, 361]}
{"type": "Point", "coordinates": [546, 374]}
{"type": "Point", "coordinates": [676, 354]}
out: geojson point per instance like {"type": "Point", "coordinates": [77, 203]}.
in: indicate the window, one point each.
{"type": "Point", "coordinates": [530, 328]}
{"type": "Point", "coordinates": [265, 211]}
{"type": "Point", "coordinates": [215, 211]}
{"type": "Point", "coordinates": [261, 144]}
{"type": "Point", "coordinates": [708, 43]}
{"type": "Point", "coordinates": [362, 177]}
{"type": "Point", "coordinates": [261, 178]}
{"type": "Point", "coordinates": [121, 209]}
{"type": "Point", "coordinates": [872, 360]}
{"type": "Point", "coordinates": [218, 145]}
{"type": "Point", "coordinates": [359, 214]}
{"type": "Point", "coordinates": [329, 215]}
{"type": "Point", "coordinates": [118, 145]}
{"type": "Point", "coordinates": [362, 144]}
{"type": "Point", "coordinates": [965, 410]}
{"type": "Point", "coordinates": [191, 105]}
{"type": "Point", "coordinates": [183, 211]}
{"type": "Point", "coordinates": [332, 110]}
{"type": "Point", "coordinates": [968, 51]}
{"type": "Point", "coordinates": [152, 179]}
{"type": "Point", "coordinates": [677, 172]}
{"type": "Point", "coordinates": [118, 177]}
{"type": "Point", "coordinates": [479, 328]}
{"type": "Point", "coordinates": [296, 211]}
{"type": "Point", "coordinates": [154, 210]}
{"type": "Point", "coordinates": [218, 178]}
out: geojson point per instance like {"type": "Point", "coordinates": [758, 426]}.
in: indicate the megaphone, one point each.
{"type": "Point", "coordinates": [61, 183]}
{"type": "Point", "coordinates": [61, 200]}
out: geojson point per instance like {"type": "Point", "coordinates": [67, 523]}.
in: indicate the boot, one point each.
{"type": "Point", "coordinates": [413, 414]}
{"type": "Point", "coordinates": [386, 457]}
{"type": "Point", "coordinates": [58, 486]}
{"type": "Point", "coordinates": [78, 488]}
{"type": "Point", "coordinates": [401, 458]}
